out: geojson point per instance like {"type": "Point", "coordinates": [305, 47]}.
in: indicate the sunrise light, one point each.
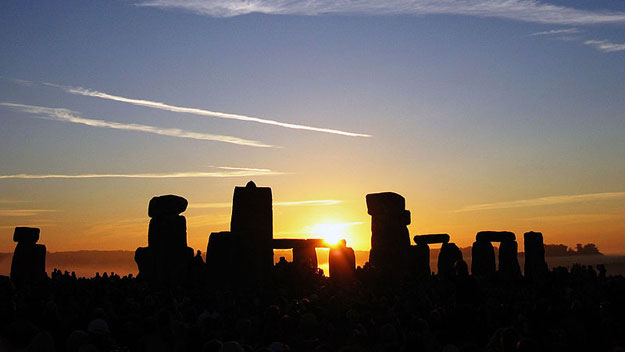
{"type": "Point", "coordinates": [332, 233]}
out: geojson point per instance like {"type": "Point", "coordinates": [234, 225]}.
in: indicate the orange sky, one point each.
{"type": "Point", "coordinates": [118, 220]}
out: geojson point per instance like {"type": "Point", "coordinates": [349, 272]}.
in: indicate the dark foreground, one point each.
{"type": "Point", "coordinates": [576, 310]}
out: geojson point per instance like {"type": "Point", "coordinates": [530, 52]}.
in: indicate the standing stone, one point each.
{"type": "Point", "coordinates": [448, 257]}
{"type": "Point", "coordinates": [536, 268]}
{"type": "Point", "coordinates": [483, 258]}
{"type": "Point", "coordinates": [342, 262]}
{"type": "Point", "coordinates": [29, 258]}
{"type": "Point", "coordinates": [305, 257]}
{"type": "Point", "coordinates": [420, 259]}
{"type": "Point", "coordinates": [166, 259]}
{"type": "Point", "coordinates": [244, 255]}
{"type": "Point", "coordinates": [508, 260]}
{"type": "Point", "coordinates": [390, 241]}
{"type": "Point", "coordinates": [219, 254]}
{"type": "Point", "coordinates": [252, 214]}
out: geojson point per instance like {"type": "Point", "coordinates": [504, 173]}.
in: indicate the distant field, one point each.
{"type": "Point", "coordinates": [87, 263]}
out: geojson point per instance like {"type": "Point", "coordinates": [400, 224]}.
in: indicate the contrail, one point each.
{"type": "Point", "coordinates": [319, 202]}
{"type": "Point", "coordinates": [24, 212]}
{"type": "Point", "coordinates": [65, 115]}
{"type": "Point", "coordinates": [544, 201]}
{"type": "Point", "coordinates": [518, 10]}
{"type": "Point", "coordinates": [218, 174]}
{"type": "Point", "coordinates": [200, 112]}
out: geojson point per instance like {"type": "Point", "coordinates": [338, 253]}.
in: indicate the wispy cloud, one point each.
{"type": "Point", "coordinates": [64, 115]}
{"type": "Point", "coordinates": [519, 10]}
{"type": "Point", "coordinates": [40, 225]}
{"type": "Point", "coordinates": [557, 32]}
{"type": "Point", "coordinates": [201, 112]}
{"type": "Point", "coordinates": [575, 218]}
{"type": "Point", "coordinates": [24, 212]}
{"type": "Point", "coordinates": [309, 202]}
{"type": "Point", "coordinates": [544, 201]}
{"type": "Point", "coordinates": [320, 202]}
{"type": "Point", "coordinates": [217, 174]}
{"type": "Point", "coordinates": [12, 201]}
{"type": "Point", "coordinates": [605, 46]}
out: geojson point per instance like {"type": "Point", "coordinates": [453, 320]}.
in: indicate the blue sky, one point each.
{"type": "Point", "coordinates": [466, 102]}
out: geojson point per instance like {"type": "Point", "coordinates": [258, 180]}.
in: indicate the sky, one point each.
{"type": "Point", "coordinates": [484, 115]}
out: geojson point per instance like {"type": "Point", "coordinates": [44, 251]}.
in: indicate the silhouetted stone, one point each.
{"type": "Point", "coordinates": [448, 257]}
{"type": "Point", "coordinates": [252, 214]}
{"type": "Point", "coordinates": [305, 257]}
{"type": "Point", "coordinates": [390, 241]}
{"type": "Point", "coordinates": [420, 259]}
{"type": "Point", "coordinates": [29, 259]}
{"type": "Point", "coordinates": [26, 234]}
{"type": "Point", "coordinates": [166, 259]}
{"type": "Point", "coordinates": [495, 236]}
{"type": "Point", "coordinates": [167, 232]}
{"type": "Point", "coordinates": [508, 262]}
{"type": "Point", "coordinates": [483, 258]}
{"type": "Point", "coordinates": [342, 262]}
{"type": "Point", "coordinates": [432, 238]}
{"type": "Point", "coordinates": [385, 203]}
{"type": "Point", "coordinates": [536, 268]}
{"type": "Point", "coordinates": [219, 253]}
{"type": "Point", "coordinates": [167, 205]}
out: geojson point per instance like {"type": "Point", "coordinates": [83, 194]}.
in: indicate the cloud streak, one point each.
{"type": "Point", "coordinates": [577, 198]}
{"type": "Point", "coordinates": [556, 32]}
{"type": "Point", "coordinates": [320, 202]}
{"type": "Point", "coordinates": [201, 112]}
{"type": "Point", "coordinates": [64, 115]}
{"type": "Point", "coordinates": [519, 10]}
{"type": "Point", "coordinates": [218, 174]}
{"type": "Point", "coordinates": [605, 46]}
{"type": "Point", "coordinates": [24, 212]}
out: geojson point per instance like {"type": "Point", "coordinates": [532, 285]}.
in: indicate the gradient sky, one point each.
{"type": "Point", "coordinates": [484, 115]}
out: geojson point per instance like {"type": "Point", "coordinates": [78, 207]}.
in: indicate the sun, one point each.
{"type": "Point", "coordinates": [331, 233]}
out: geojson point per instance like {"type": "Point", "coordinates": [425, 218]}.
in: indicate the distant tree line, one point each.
{"type": "Point", "coordinates": [561, 250]}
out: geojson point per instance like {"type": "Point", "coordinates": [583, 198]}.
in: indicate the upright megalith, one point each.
{"type": "Point", "coordinates": [305, 257]}
{"type": "Point", "coordinates": [166, 259]}
{"type": "Point", "coordinates": [536, 268]}
{"type": "Point", "coordinates": [483, 259]}
{"type": "Point", "coordinates": [342, 262]}
{"type": "Point", "coordinates": [483, 254]}
{"type": "Point", "coordinates": [252, 213]}
{"type": "Point", "coordinates": [29, 258]}
{"type": "Point", "coordinates": [390, 241]}
{"type": "Point", "coordinates": [449, 256]}
{"type": "Point", "coordinates": [508, 260]}
{"type": "Point", "coordinates": [249, 241]}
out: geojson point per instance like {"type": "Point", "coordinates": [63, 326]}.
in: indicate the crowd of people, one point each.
{"type": "Point", "coordinates": [577, 309]}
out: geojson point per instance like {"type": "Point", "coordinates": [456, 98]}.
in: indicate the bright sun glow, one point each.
{"type": "Point", "coordinates": [331, 233]}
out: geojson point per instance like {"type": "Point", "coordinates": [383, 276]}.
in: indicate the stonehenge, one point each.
{"type": "Point", "coordinates": [448, 256]}
{"type": "Point", "coordinates": [166, 259]}
{"type": "Point", "coordinates": [483, 254]}
{"type": "Point", "coordinates": [29, 258]}
{"type": "Point", "coordinates": [245, 253]}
